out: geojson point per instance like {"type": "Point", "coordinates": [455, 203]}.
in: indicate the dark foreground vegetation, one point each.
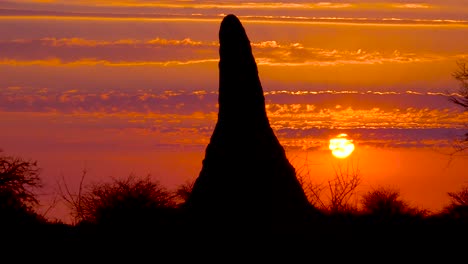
{"type": "Point", "coordinates": [139, 211]}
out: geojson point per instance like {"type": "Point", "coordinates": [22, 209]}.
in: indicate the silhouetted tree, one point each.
{"type": "Point", "coordinates": [343, 187]}
{"type": "Point", "coordinates": [461, 99]}
{"type": "Point", "coordinates": [334, 196]}
{"type": "Point", "coordinates": [19, 179]}
{"type": "Point", "coordinates": [73, 200]}
{"type": "Point", "coordinates": [385, 203]}
{"type": "Point", "coordinates": [458, 207]}
{"type": "Point", "coordinates": [461, 74]}
{"type": "Point", "coordinates": [183, 192]}
{"type": "Point", "coordinates": [312, 189]}
{"type": "Point", "coordinates": [131, 200]}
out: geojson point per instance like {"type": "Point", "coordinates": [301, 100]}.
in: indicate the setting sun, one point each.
{"type": "Point", "coordinates": [341, 146]}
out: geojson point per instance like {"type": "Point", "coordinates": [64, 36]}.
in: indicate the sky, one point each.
{"type": "Point", "coordinates": [130, 86]}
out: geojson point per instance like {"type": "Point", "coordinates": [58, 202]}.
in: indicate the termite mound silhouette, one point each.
{"type": "Point", "coordinates": [246, 181]}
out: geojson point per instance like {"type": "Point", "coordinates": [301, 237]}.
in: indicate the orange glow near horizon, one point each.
{"type": "Point", "coordinates": [341, 146]}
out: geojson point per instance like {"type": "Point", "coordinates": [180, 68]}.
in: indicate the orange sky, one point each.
{"type": "Point", "coordinates": [131, 86]}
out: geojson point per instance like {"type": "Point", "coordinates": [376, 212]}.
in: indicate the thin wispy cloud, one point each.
{"type": "Point", "coordinates": [301, 119]}
{"type": "Point", "coordinates": [166, 52]}
{"type": "Point", "coordinates": [349, 12]}
{"type": "Point", "coordinates": [297, 4]}
{"type": "Point", "coordinates": [54, 62]}
{"type": "Point", "coordinates": [54, 42]}
{"type": "Point", "coordinates": [198, 4]}
{"type": "Point", "coordinates": [412, 5]}
{"type": "Point", "coordinates": [95, 62]}
{"type": "Point", "coordinates": [250, 19]}
{"type": "Point", "coordinates": [295, 110]}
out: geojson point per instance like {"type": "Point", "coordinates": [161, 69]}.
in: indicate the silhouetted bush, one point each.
{"type": "Point", "coordinates": [129, 201]}
{"type": "Point", "coordinates": [19, 179]}
{"type": "Point", "coordinates": [183, 192]}
{"type": "Point", "coordinates": [458, 207]}
{"type": "Point", "coordinates": [386, 203]}
{"type": "Point", "coordinates": [461, 99]}
{"type": "Point", "coordinates": [461, 75]}
{"type": "Point", "coordinates": [336, 196]}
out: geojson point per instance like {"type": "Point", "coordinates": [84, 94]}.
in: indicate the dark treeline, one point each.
{"type": "Point", "coordinates": [140, 207]}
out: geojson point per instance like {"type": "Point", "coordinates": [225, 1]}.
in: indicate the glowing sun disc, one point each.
{"type": "Point", "coordinates": [341, 146]}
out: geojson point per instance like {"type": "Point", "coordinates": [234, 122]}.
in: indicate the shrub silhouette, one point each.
{"type": "Point", "coordinates": [336, 195]}
{"type": "Point", "coordinates": [183, 192]}
{"type": "Point", "coordinates": [458, 207]}
{"type": "Point", "coordinates": [386, 203]}
{"type": "Point", "coordinates": [19, 179]}
{"type": "Point", "coordinates": [128, 201]}
{"type": "Point", "coordinates": [461, 75]}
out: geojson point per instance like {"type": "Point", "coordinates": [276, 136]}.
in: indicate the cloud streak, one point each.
{"type": "Point", "coordinates": [95, 62]}
{"type": "Point", "coordinates": [294, 110]}
{"type": "Point", "coordinates": [301, 119]}
{"type": "Point", "coordinates": [202, 4]}
{"type": "Point", "coordinates": [255, 19]}
{"type": "Point", "coordinates": [350, 12]}
{"type": "Point", "coordinates": [255, 4]}
{"type": "Point", "coordinates": [166, 52]}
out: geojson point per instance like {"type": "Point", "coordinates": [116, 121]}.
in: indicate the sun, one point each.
{"type": "Point", "coordinates": [341, 146]}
